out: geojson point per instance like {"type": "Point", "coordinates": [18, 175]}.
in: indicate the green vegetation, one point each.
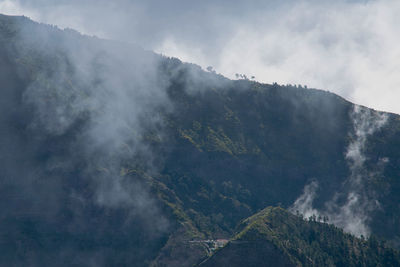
{"type": "Point", "coordinates": [212, 153]}
{"type": "Point", "coordinates": [302, 243]}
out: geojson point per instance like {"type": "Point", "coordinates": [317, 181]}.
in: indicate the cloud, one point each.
{"type": "Point", "coordinates": [74, 126]}
{"type": "Point", "coordinates": [86, 110]}
{"type": "Point", "coordinates": [12, 7]}
{"type": "Point", "coordinates": [350, 208]}
{"type": "Point", "coordinates": [112, 88]}
{"type": "Point", "coordinates": [348, 47]}
{"type": "Point", "coordinates": [365, 123]}
{"type": "Point", "coordinates": [304, 204]}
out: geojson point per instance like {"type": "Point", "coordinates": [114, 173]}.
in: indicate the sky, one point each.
{"type": "Point", "coordinates": [346, 47]}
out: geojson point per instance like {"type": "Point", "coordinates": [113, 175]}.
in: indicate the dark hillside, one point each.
{"type": "Point", "coordinates": [274, 237]}
{"type": "Point", "coordinates": [113, 155]}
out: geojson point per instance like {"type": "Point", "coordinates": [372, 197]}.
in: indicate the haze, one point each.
{"type": "Point", "coordinates": [347, 47]}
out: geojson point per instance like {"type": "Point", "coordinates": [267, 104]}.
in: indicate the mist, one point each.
{"type": "Point", "coordinates": [352, 207]}
{"type": "Point", "coordinates": [86, 110]}
{"type": "Point", "coordinates": [347, 47]}
{"type": "Point", "coordinates": [112, 87]}
{"type": "Point", "coordinates": [78, 144]}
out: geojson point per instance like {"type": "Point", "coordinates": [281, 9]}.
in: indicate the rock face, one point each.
{"type": "Point", "coordinates": [111, 155]}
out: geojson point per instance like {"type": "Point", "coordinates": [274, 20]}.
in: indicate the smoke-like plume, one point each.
{"type": "Point", "coordinates": [350, 209]}
{"type": "Point", "coordinates": [304, 204]}
{"type": "Point", "coordinates": [109, 95]}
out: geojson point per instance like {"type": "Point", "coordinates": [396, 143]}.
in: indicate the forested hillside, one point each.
{"type": "Point", "coordinates": [111, 155]}
{"type": "Point", "coordinates": [274, 237]}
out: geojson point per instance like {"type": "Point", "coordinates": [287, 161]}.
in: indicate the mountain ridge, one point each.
{"type": "Point", "coordinates": [109, 150]}
{"type": "Point", "coordinates": [320, 244]}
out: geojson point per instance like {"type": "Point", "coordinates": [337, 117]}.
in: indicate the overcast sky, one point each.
{"type": "Point", "coordinates": [350, 47]}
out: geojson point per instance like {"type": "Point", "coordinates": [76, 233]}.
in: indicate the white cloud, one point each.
{"type": "Point", "coordinates": [348, 48]}
{"type": "Point", "coordinates": [354, 214]}
{"type": "Point", "coordinates": [14, 8]}
{"type": "Point", "coordinates": [63, 15]}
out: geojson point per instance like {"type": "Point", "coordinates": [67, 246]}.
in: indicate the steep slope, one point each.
{"type": "Point", "coordinates": [112, 155]}
{"type": "Point", "coordinates": [274, 237]}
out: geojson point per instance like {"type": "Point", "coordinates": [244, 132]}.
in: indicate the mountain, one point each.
{"type": "Point", "coordinates": [274, 237]}
{"type": "Point", "coordinates": [114, 155]}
